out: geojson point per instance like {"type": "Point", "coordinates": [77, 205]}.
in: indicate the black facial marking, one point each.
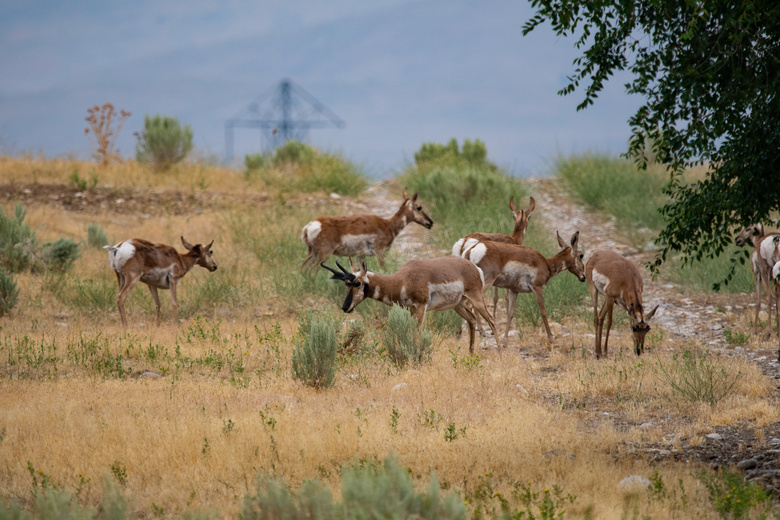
{"type": "Point", "coordinates": [366, 291]}
{"type": "Point", "coordinates": [347, 302]}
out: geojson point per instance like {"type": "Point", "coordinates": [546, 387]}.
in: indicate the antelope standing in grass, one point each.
{"type": "Point", "coordinates": [619, 280]}
{"type": "Point", "coordinates": [776, 278]}
{"type": "Point", "coordinates": [159, 266]}
{"type": "Point", "coordinates": [437, 284]}
{"type": "Point", "coordinates": [765, 255]}
{"type": "Point", "coordinates": [359, 235]}
{"type": "Point", "coordinates": [521, 218]}
{"type": "Point", "coordinates": [520, 269]}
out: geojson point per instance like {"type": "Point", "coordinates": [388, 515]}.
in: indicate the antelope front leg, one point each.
{"type": "Point", "coordinates": [594, 296]}
{"type": "Point", "coordinates": [540, 303]}
{"type": "Point", "coordinates": [463, 311]}
{"type": "Point", "coordinates": [608, 304]}
{"type": "Point", "coordinates": [129, 283]}
{"type": "Point", "coordinates": [510, 313]}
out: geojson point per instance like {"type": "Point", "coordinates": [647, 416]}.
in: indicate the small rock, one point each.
{"type": "Point", "coordinates": [774, 441]}
{"type": "Point", "coordinates": [715, 436]}
{"type": "Point", "coordinates": [399, 386]}
{"type": "Point", "coordinates": [747, 464]}
{"type": "Point", "coordinates": [634, 483]}
{"type": "Point", "coordinates": [664, 454]}
{"type": "Point", "coordinates": [335, 196]}
{"type": "Point", "coordinates": [646, 425]}
{"type": "Point", "coordinates": [151, 375]}
{"type": "Point", "coordinates": [522, 390]}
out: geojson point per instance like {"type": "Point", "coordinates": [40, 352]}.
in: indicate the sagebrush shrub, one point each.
{"type": "Point", "coordinates": [60, 255]}
{"type": "Point", "coordinates": [294, 152]}
{"type": "Point", "coordinates": [697, 376]}
{"type": "Point", "coordinates": [314, 360]}
{"type": "Point", "coordinates": [9, 292]}
{"type": "Point", "coordinates": [404, 341]}
{"type": "Point", "coordinates": [96, 237]}
{"type": "Point", "coordinates": [163, 142]}
{"type": "Point", "coordinates": [17, 241]}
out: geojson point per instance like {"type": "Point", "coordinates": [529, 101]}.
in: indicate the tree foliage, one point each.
{"type": "Point", "coordinates": [709, 72]}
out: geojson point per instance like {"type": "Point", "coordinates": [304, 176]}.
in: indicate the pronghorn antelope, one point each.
{"type": "Point", "coordinates": [521, 218]}
{"type": "Point", "coordinates": [359, 235]}
{"type": "Point", "coordinates": [776, 279]}
{"type": "Point", "coordinates": [437, 284]}
{"type": "Point", "coordinates": [619, 280]}
{"type": "Point", "coordinates": [765, 255]}
{"type": "Point", "coordinates": [520, 269]}
{"type": "Point", "coordinates": [159, 266]}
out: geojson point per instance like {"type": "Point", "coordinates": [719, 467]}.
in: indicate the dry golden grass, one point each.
{"type": "Point", "coordinates": [227, 408]}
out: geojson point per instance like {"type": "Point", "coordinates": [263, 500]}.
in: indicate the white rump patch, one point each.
{"type": "Point", "coordinates": [600, 282]}
{"type": "Point", "coordinates": [120, 254]}
{"type": "Point", "coordinates": [443, 296]}
{"type": "Point", "coordinates": [768, 250]}
{"type": "Point", "coordinates": [356, 245]}
{"type": "Point", "coordinates": [481, 274]}
{"type": "Point", "coordinates": [311, 231]}
{"type": "Point", "coordinates": [476, 253]}
{"type": "Point", "coordinates": [457, 246]}
{"type": "Point", "coordinates": [775, 270]}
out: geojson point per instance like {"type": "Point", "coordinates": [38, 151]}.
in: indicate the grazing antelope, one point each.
{"type": "Point", "coordinates": [619, 280]}
{"type": "Point", "coordinates": [159, 266]}
{"type": "Point", "coordinates": [437, 284]}
{"type": "Point", "coordinates": [765, 255]}
{"type": "Point", "coordinates": [521, 218]}
{"type": "Point", "coordinates": [520, 269]}
{"type": "Point", "coordinates": [359, 235]}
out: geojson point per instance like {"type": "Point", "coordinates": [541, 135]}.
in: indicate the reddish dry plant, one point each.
{"type": "Point", "coordinates": [101, 124]}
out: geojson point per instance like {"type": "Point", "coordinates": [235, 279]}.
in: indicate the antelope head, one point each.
{"type": "Point", "coordinates": [746, 235]}
{"type": "Point", "coordinates": [413, 211]}
{"type": "Point", "coordinates": [202, 253]}
{"type": "Point", "coordinates": [639, 325]}
{"type": "Point", "coordinates": [357, 283]}
{"type": "Point", "coordinates": [574, 260]}
{"type": "Point", "coordinates": [522, 216]}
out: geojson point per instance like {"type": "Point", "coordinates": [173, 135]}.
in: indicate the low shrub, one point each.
{"type": "Point", "coordinates": [60, 255]}
{"type": "Point", "coordinates": [735, 497]}
{"type": "Point", "coordinates": [17, 241]}
{"type": "Point", "coordinates": [314, 359]}
{"type": "Point", "coordinates": [9, 292]}
{"type": "Point", "coordinates": [163, 142]}
{"type": "Point", "coordinates": [696, 376]}
{"type": "Point", "coordinates": [294, 152]}
{"type": "Point", "coordinates": [404, 341]}
{"type": "Point", "coordinates": [96, 237]}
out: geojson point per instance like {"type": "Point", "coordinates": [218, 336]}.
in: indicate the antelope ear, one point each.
{"type": "Point", "coordinates": [574, 239]}
{"type": "Point", "coordinates": [560, 241]}
{"type": "Point", "coordinates": [649, 315]}
{"type": "Point", "coordinates": [406, 194]}
{"type": "Point", "coordinates": [414, 199]}
{"type": "Point", "coordinates": [363, 266]}
{"type": "Point", "coordinates": [208, 247]}
{"type": "Point", "coordinates": [512, 204]}
{"type": "Point", "coordinates": [531, 205]}
{"type": "Point", "coordinates": [186, 244]}
{"type": "Point", "coordinates": [352, 265]}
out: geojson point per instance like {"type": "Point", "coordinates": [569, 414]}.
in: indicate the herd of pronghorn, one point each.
{"type": "Point", "coordinates": [479, 261]}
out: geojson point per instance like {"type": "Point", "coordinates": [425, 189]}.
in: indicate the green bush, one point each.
{"type": "Point", "coordinates": [9, 292]}
{"type": "Point", "coordinates": [473, 152]}
{"type": "Point", "coordinates": [17, 241]}
{"type": "Point", "coordinates": [369, 492]}
{"type": "Point", "coordinates": [735, 497]}
{"type": "Point", "coordinates": [253, 162]}
{"type": "Point", "coordinates": [294, 152]}
{"type": "Point", "coordinates": [696, 376]}
{"type": "Point", "coordinates": [60, 255]}
{"type": "Point", "coordinates": [96, 237]}
{"type": "Point", "coordinates": [163, 142]}
{"type": "Point", "coordinates": [314, 360]}
{"type": "Point", "coordinates": [404, 341]}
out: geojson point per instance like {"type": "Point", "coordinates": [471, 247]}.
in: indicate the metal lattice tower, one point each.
{"type": "Point", "coordinates": [283, 113]}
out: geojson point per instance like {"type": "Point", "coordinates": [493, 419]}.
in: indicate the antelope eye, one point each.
{"type": "Point", "coordinates": [582, 255]}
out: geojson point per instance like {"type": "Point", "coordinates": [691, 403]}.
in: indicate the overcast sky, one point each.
{"type": "Point", "coordinates": [398, 72]}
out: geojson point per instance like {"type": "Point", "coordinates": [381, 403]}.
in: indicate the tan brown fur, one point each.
{"type": "Point", "coordinates": [149, 257]}
{"type": "Point", "coordinates": [381, 232]}
{"type": "Point", "coordinates": [497, 261]}
{"type": "Point", "coordinates": [625, 287]}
